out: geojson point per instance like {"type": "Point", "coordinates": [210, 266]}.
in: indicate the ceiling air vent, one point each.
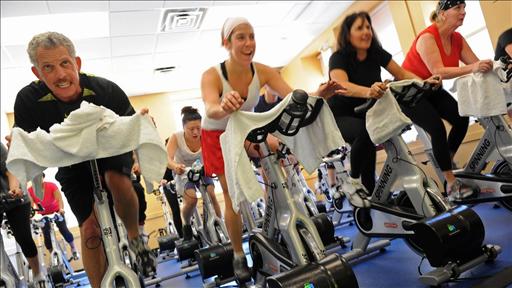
{"type": "Point", "coordinates": [165, 69]}
{"type": "Point", "coordinates": [181, 19]}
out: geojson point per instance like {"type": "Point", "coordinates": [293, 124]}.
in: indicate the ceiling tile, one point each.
{"type": "Point", "coordinates": [135, 5]}
{"type": "Point", "coordinates": [98, 67]}
{"type": "Point", "coordinates": [132, 63]}
{"type": "Point", "coordinates": [23, 8]}
{"type": "Point", "coordinates": [19, 55]}
{"type": "Point", "coordinates": [134, 23]}
{"type": "Point", "coordinates": [187, 4]}
{"type": "Point", "coordinates": [232, 3]}
{"type": "Point", "coordinates": [77, 6]}
{"type": "Point", "coordinates": [93, 48]}
{"type": "Point", "coordinates": [133, 45]}
{"type": "Point", "coordinates": [216, 15]}
{"type": "Point", "coordinates": [176, 41]}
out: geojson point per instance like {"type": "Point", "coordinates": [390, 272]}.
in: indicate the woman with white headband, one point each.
{"type": "Point", "coordinates": [227, 87]}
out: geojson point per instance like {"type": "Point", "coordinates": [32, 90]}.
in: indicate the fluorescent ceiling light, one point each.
{"type": "Point", "coordinates": [19, 30]}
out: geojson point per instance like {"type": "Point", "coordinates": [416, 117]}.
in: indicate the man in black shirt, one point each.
{"type": "Point", "coordinates": [60, 90]}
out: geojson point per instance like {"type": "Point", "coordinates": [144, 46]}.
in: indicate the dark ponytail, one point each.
{"type": "Point", "coordinates": [189, 113]}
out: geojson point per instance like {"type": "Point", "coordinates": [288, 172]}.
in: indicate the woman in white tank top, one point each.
{"type": "Point", "coordinates": [183, 149]}
{"type": "Point", "coordinates": [232, 86]}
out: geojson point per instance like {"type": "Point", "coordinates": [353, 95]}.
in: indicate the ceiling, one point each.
{"type": "Point", "coordinates": [122, 41]}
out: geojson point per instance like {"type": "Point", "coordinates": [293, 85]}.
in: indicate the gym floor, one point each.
{"type": "Point", "coordinates": [397, 266]}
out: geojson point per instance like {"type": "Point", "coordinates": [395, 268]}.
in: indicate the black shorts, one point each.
{"type": "Point", "coordinates": [78, 186]}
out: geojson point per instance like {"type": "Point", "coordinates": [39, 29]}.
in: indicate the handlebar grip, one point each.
{"type": "Point", "coordinates": [365, 107]}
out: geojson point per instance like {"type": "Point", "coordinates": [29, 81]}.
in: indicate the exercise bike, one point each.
{"type": "Point", "coordinates": [449, 237]}
{"type": "Point", "coordinates": [118, 273]}
{"type": "Point", "coordinates": [334, 196]}
{"type": "Point", "coordinates": [289, 250]}
{"type": "Point", "coordinates": [8, 275]}
{"type": "Point", "coordinates": [167, 236]}
{"type": "Point", "coordinates": [494, 145]}
{"type": "Point", "coordinates": [60, 270]}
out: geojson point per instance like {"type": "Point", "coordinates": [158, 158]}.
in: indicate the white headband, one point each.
{"type": "Point", "coordinates": [230, 24]}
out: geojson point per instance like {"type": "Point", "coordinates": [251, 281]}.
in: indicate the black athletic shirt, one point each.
{"type": "Point", "coordinates": [504, 39]}
{"type": "Point", "coordinates": [264, 106]}
{"type": "Point", "coordinates": [36, 106]}
{"type": "Point", "coordinates": [363, 73]}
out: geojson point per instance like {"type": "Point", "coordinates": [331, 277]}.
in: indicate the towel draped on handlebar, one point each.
{"type": "Point", "coordinates": [309, 146]}
{"type": "Point", "coordinates": [90, 132]}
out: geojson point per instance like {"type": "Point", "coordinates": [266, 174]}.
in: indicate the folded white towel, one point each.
{"type": "Point", "coordinates": [77, 134]}
{"type": "Point", "coordinates": [481, 94]}
{"type": "Point", "coordinates": [309, 146]}
{"type": "Point", "coordinates": [31, 153]}
{"type": "Point", "coordinates": [385, 119]}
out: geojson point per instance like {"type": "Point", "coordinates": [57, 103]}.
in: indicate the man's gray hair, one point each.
{"type": "Point", "coordinates": [48, 40]}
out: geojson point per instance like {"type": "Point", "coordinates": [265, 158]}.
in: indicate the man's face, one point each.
{"type": "Point", "coordinates": [59, 71]}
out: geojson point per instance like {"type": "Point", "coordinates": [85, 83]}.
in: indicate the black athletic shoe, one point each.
{"type": "Point", "coordinates": [241, 270]}
{"type": "Point", "coordinates": [146, 260]}
{"type": "Point", "coordinates": [187, 233]}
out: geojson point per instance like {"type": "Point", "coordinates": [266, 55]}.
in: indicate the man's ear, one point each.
{"type": "Point", "coordinates": [78, 63]}
{"type": "Point", "coordinates": [36, 72]}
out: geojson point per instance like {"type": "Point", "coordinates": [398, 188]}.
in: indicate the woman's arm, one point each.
{"type": "Point", "coordinates": [14, 185]}
{"type": "Point", "coordinates": [351, 89]}
{"type": "Point", "coordinates": [398, 72]}
{"type": "Point", "coordinates": [210, 91]}
{"type": "Point", "coordinates": [172, 145]}
{"type": "Point", "coordinates": [273, 79]}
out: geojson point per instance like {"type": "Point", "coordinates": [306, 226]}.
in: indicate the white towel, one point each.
{"type": "Point", "coordinates": [385, 119]}
{"type": "Point", "coordinates": [481, 94]}
{"type": "Point", "coordinates": [31, 153]}
{"type": "Point", "coordinates": [309, 146]}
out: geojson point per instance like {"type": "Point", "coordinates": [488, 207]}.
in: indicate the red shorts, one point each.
{"type": "Point", "coordinates": [213, 161]}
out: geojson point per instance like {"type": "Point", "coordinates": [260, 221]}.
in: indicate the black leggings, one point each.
{"type": "Point", "coordinates": [172, 199]}
{"type": "Point", "coordinates": [63, 228]}
{"type": "Point", "coordinates": [428, 114]}
{"type": "Point", "coordinates": [363, 153]}
{"type": "Point", "coordinates": [19, 221]}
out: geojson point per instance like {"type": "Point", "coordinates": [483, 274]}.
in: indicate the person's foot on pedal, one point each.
{"type": "Point", "coordinates": [338, 201]}
{"type": "Point", "coordinates": [355, 192]}
{"type": "Point", "coordinates": [146, 260]}
{"type": "Point", "coordinates": [460, 190]}
{"type": "Point", "coordinates": [187, 232]}
{"type": "Point", "coordinates": [75, 255]}
{"type": "Point", "coordinates": [241, 270]}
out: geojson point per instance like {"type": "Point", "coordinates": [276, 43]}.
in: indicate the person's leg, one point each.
{"type": "Point", "coordinates": [426, 116]}
{"type": "Point", "coordinates": [141, 197]}
{"type": "Point", "coordinates": [19, 219]}
{"type": "Point", "coordinates": [189, 204]}
{"type": "Point", "coordinates": [68, 236]}
{"type": "Point", "coordinates": [210, 188]}
{"type": "Point", "coordinates": [448, 109]}
{"type": "Point", "coordinates": [234, 226]}
{"type": "Point", "coordinates": [362, 149]}
{"type": "Point", "coordinates": [172, 199]}
{"type": "Point", "coordinates": [47, 237]}
{"type": "Point", "coordinates": [93, 255]}
{"type": "Point", "coordinates": [125, 201]}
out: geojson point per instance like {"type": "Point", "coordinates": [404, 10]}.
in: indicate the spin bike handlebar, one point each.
{"type": "Point", "coordinates": [6, 201]}
{"type": "Point", "coordinates": [296, 115]}
{"type": "Point", "coordinates": [42, 219]}
{"type": "Point", "coordinates": [409, 96]}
